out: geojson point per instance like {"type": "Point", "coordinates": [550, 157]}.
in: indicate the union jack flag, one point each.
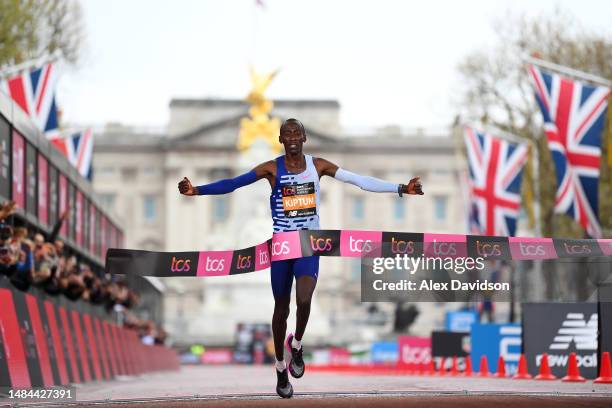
{"type": "Point", "coordinates": [34, 92]}
{"type": "Point", "coordinates": [574, 115]}
{"type": "Point", "coordinates": [495, 173]}
{"type": "Point", "coordinates": [78, 148]}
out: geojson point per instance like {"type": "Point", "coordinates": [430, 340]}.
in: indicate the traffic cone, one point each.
{"type": "Point", "coordinates": [468, 367]}
{"type": "Point", "coordinates": [454, 371]}
{"type": "Point", "coordinates": [545, 373]}
{"type": "Point", "coordinates": [501, 368]}
{"type": "Point", "coordinates": [432, 368]}
{"type": "Point", "coordinates": [605, 373]}
{"type": "Point", "coordinates": [522, 373]}
{"type": "Point", "coordinates": [573, 373]}
{"type": "Point", "coordinates": [442, 370]}
{"type": "Point", "coordinates": [484, 367]}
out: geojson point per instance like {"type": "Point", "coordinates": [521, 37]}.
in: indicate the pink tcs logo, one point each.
{"type": "Point", "coordinates": [214, 263]}
{"type": "Point", "coordinates": [414, 350]}
{"type": "Point", "coordinates": [532, 248]}
{"type": "Point", "coordinates": [445, 245]}
{"type": "Point", "coordinates": [286, 245]}
{"type": "Point", "coordinates": [262, 257]}
{"type": "Point", "coordinates": [605, 245]}
{"type": "Point", "coordinates": [356, 243]}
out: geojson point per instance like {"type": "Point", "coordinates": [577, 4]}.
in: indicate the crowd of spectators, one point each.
{"type": "Point", "coordinates": [149, 332]}
{"type": "Point", "coordinates": [29, 258]}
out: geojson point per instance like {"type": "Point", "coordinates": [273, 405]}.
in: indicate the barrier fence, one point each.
{"type": "Point", "coordinates": [46, 341]}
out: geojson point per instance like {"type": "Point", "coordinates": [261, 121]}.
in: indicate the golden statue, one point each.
{"type": "Point", "coordinates": [259, 125]}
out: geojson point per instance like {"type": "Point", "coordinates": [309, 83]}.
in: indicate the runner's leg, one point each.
{"type": "Point", "coordinates": [281, 277]}
{"type": "Point", "coordinates": [306, 272]}
{"type": "Point", "coordinates": [279, 325]}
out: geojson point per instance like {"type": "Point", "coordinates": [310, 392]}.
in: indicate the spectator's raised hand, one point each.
{"type": "Point", "coordinates": [7, 209]}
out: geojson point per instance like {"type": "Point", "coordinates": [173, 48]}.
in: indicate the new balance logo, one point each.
{"type": "Point", "coordinates": [576, 328]}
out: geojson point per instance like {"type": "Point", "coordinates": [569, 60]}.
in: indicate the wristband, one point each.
{"type": "Point", "coordinates": [400, 189]}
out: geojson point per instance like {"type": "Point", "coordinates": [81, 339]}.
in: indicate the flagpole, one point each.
{"type": "Point", "coordinates": [26, 65]}
{"type": "Point", "coordinates": [494, 131]}
{"type": "Point", "coordinates": [459, 141]}
{"type": "Point", "coordinates": [536, 189]}
{"type": "Point", "coordinates": [568, 71]}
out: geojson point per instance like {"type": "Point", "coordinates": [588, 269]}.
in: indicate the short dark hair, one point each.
{"type": "Point", "coordinates": [295, 121]}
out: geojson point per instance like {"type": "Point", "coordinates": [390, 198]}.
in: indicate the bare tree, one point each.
{"type": "Point", "coordinates": [31, 29]}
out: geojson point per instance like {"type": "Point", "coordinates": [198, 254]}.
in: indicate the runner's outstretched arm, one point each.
{"type": "Point", "coordinates": [367, 183]}
{"type": "Point", "coordinates": [226, 185]}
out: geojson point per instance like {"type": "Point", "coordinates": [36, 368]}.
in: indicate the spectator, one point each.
{"type": "Point", "coordinates": [7, 209]}
{"type": "Point", "coordinates": [132, 299]}
{"type": "Point", "coordinates": [149, 333]}
{"type": "Point", "coordinates": [8, 258]}
{"type": "Point", "coordinates": [487, 306]}
{"type": "Point", "coordinates": [95, 291]}
{"type": "Point", "coordinates": [52, 286]}
{"type": "Point", "coordinates": [56, 229]}
{"type": "Point", "coordinates": [59, 250]}
{"type": "Point", "coordinates": [49, 266]}
{"type": "Point", "coordinates": [23, 275]}
{"type": "Point", "coordinates": [123, 294]}
{"type": "Point", "coordinates": [43, 268]}
{"type": "Point", "coordinates": [73, 284]}
{"type": "Point", "coordinates": [161, 336]}
{"type": "Point", "coordinates": [113, 293]}
{"type": "Point", "coordinates": [46, 274]}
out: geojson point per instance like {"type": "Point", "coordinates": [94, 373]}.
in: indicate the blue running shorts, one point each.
{"type": "Point", "coordinates": [282, 273]}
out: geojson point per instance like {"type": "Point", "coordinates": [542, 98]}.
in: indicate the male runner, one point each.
{"type": "Point", "coordinates": [292, 176]}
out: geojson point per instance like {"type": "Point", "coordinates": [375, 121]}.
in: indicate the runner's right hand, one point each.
{"type": "Point", "coordinates": [186, 188]}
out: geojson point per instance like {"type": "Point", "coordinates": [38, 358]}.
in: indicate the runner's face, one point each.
{"type": "Point", "coordinates": [292, 138]}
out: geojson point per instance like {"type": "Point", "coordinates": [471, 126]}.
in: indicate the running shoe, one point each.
{"type": "Point", "coordinates": [296, 364]}
{"type": "Point", "coordinates": [283, 386]}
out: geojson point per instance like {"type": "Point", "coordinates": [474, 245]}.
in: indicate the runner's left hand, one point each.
{"type": "Point", "coordinates": [414, 186]}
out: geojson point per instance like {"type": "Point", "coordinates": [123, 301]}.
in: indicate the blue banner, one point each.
{"type": "Point", "coordinates": [385, 352]}
{"type": "Point", "coordinates": [494, 340]}
{"type": "Point", "coordinates": [460, 321]}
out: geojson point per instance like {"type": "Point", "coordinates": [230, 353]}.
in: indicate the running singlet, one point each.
{"type": "Point", "coordinates": [294, 200]}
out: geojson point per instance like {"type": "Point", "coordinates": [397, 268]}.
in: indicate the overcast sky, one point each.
{"type": "Point", "coordinates": [386, 62]}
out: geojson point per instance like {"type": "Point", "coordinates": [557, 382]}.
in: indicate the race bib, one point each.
{"type": "Point", "coordinates": [299, 200]}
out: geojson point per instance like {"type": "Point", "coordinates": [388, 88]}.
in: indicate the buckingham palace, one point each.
{"type": "Point", "coordinates": [136, 173]}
